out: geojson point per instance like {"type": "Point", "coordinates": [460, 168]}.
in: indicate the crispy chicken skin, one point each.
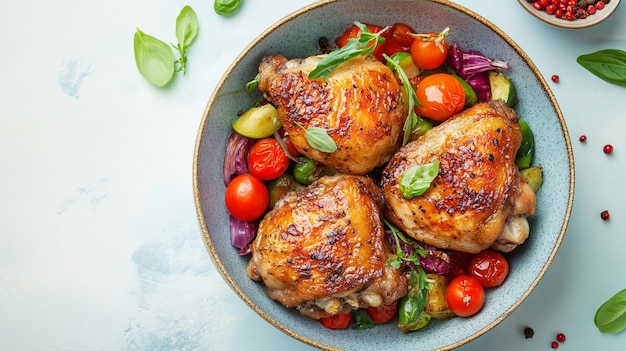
{"type": "Point", "coordinates": [322, 249]}
{"type": "Point", "coordinates": [359, 105]}
{"type": "Point", "coordinates": [478, 191]}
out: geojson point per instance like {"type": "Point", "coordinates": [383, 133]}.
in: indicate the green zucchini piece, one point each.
{"type": "Point", "coordinates": [524, 156]}
{"type": "Point", "coordinates": [502, 88]}
{"type": "Point", "coordinates": [534, 177]}
{"type": "Point", "coordinates": [405, 60]}
{"type": "Point", "coordinates": [258, 122]}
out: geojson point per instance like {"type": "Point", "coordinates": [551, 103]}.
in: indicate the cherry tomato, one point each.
{"type": "Point", "coordinates": [465, 296]}
{"type": "Point", "coordinates": [382, 313]}
{"type": "Point", "coordinates": [267, 160]}
{"type": "Point", "coordinates": [337, 321]}
{"type": "Point", "coordinates": [355, 32]}
{"type": "Point", "coordinates": [430, 50]}
{"type": "Point", "coordinates": [441, 96]}
{"type": "Point", "coordinates": [459, 263]}
{"type": "Point", "coordinates": [489, 267]}
{"type": "Point", "coordinates": [398, 38]}
{"type": "Point", "coordinates": [247, 197]}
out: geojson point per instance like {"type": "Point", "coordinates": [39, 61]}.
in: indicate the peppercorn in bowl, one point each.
{"type": "Point", "coordinates": [349, 208]}
{"type": "Point", "coordinates": [571, 14]}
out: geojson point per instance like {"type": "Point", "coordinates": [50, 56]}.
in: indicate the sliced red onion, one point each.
{"type": "Point", "coordinates": [468, 63]}
{"type": "Point", "coordinates": [480, 83]}
{"type": "Point", "coordinates": [242, 233]}
{"type": "Point", "coordinates": [235, 157]}
{"type": "Point", "coordinates": [436, 261]}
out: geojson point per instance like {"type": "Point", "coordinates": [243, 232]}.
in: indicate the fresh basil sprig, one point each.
{"type": "Point", "coordinates": [402, 256]}
{"type": "Point", "coordinates": [363, 45]}
{"type": "Point", "coordinates": [186, 31]}
{"type": "Point", "coordinates": [608, 64]}
{"type": "Point", "coordinates": [416, 180]}
{"type": "Point", "coordinates": [319, 139]}
{"type": "Point", "coordinates": [155, 59]}
{"type": "Point", "coordinates": [611, 316]}
{"type": "Point", "coordinates": [411, 315]}
{"type": "Point", "coordinates": [362, 320]}
{"type": "Point", "coordinates": [226, 7]}
{"type": "Point", "coordinates": [251, 86]}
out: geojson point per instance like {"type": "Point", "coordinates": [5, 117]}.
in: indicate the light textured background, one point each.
{"type": "Point", "coordinates": [99, 243]}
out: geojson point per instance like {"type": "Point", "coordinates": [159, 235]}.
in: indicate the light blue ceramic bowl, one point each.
{"type": "Point", "coordinates": [297, 36]}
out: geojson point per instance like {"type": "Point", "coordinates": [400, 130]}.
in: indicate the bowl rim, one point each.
{"type": "Point", "coordinates": [578, 24]}
{"type": "Point", "coordinates": [205, 231]}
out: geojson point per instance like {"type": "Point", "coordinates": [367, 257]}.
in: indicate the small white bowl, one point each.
{"type": "Point", "coordinates": [591, 20]}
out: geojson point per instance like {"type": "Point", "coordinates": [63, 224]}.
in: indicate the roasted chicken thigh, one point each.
{"type": "Point", "coordinates": [478, 199]}
{"type": "Point", "coordinates": [322, 249]}
{"type": "Point", "coordinates": [359, 105]}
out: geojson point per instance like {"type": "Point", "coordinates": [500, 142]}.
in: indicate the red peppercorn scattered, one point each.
{"type": "Point", "coordinates": [560, 337]}
{"type": "Point", "coordinates": [605, 215]}
{"type": "Point", "coordinates": [554, 345]}
{"type": "Point", "coordinates": [582, 138]}
{"type": "Point", "coordinates": [555, 78]}
{"type": "Point", "coordinates": [608, 149]}
{"type": "Point", "coordinates": [569, 10]}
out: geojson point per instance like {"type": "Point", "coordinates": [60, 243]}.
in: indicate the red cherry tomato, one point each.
{"type": "Point", "coordinates": [441, 96]}
{"type": "Point", "coordinates": [398, 38]}
{"type": "Point", "coordinates": [355, 32]}
{"type": "Point", "coordinates": [429, 51]}
{"type": "Point", "coordinates": [337, 321]}
{"type": "Point", "coordinates": [247, 197]}
{"type": "Point", "coordinates": [267, 160]}
{"type": "Point", "coordinates": [459, 263]}
{"type": "Point", "coordinates": [465, 296]}
{"type": "Point", "coordinates": [489, 267]}
{"type": "Point", "coordinates": [382, 313]}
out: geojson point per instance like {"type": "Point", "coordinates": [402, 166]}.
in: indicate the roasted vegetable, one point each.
{"type": "Point", "coordinates": [502, 88]}
{"type": "Point", "coordinates": [405, 61]}
{"type": "Point", "coordinates": [411, 314]}
{"type": "Point", "coordinates": [306, 171]}
{"type": "Point", "coordinates": [281, 186]}
{"type": "Point", "coordinates": [524, 156]}
{"type": "Point", "coordinates": [436, 304]}
{"type": "Point", "coordinates": [258, 122]}
{"type": "Point", "coordinates": [534, 177]}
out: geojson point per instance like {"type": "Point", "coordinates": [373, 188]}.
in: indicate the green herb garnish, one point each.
{"type": "Point", "coordinates": [363, 45]}
{"type": "Point", "coordinates": [362, 320]}
{"type": "Point", "coordinates": [416, 180]}
{"type": "Point", "coordinates": [611, 316]}
{"type": "Point", "coordinates": [186, 31]}
{"type": "Point", "coordinates": [250, 86]}
{"type": "Point", "coordinates": [608, 64]}
{"type": "Point", "coordinates": [226, 7]}
{"type": "Point", "coordinates": [155, 59]}
{"type": "Point", "coordinates": [319, 139]}
{"type": "Point", "coordinates": [411, 119]}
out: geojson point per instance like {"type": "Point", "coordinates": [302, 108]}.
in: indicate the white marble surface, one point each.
{"type": "Point", "coordinates": [100, 248]}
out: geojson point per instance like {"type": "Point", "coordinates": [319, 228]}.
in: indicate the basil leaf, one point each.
{"type": "Point", "coordinates": [609, 65]}
{"type": "Point", "coordinates": [411, 306]}
{"type": "Point", "coordinates": [416, 180]}
{"type": "Point", "coordinates": [362, 320]}
{"type": "Point", "coordinates": [319, 139]}
{"type": "Point", "coordinates": [226, 7]}
{"type": "Point", "coordinates": [154, 58]}
{"type": "Point", "coordinates": [186, 27]}
{"type": "Point", "coordinates": [354, 48]}
{"type": "Point", "coordinates": [611, 316]}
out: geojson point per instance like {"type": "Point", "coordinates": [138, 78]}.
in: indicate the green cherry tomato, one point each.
{"type": "Point", "coordinates": [226, 7]}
